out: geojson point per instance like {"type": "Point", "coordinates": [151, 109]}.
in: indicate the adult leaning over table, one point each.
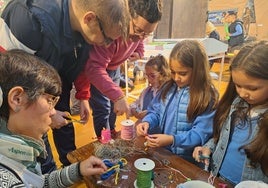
{"type": "Point", "coordinates": [102, 70]}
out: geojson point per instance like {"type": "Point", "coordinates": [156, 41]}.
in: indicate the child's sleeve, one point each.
{"type": "Point", "coordinates": [211, 145]}
{"type": "Point", "coordinates": [201, 132]}
{"type": "Point", "coordinates": [153, 114]}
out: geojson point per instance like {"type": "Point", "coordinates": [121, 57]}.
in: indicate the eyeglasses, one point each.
{"type": "Point", "coordinates": [107, 40]}
{"type": "Point", "coordinates": [52, 100]}
{"type": "Point", "coordinates": [138, 31]}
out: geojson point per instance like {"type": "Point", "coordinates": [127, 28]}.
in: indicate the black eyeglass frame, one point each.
{"type": "Point", "coordinates": [107, 40]}
{"type": "Point", "coordinates": [139, 33]}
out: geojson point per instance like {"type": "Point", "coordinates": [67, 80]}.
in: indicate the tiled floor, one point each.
{"type": "Point", "coordinates": [85, 133]}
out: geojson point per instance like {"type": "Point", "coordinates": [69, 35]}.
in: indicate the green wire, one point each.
{"type": "Point", "coordinates": [144, 179]}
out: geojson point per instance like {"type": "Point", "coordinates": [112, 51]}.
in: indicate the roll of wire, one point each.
{"type": "Point", "coordinates": [144, 168]}
{"type": "Point", "coordinates": [127, 129]}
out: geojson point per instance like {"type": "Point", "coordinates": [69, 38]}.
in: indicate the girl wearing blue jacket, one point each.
{"type": "Point", "coordinates": [239, 147]}
{"type": "Point", "coordinates": [181, 116]}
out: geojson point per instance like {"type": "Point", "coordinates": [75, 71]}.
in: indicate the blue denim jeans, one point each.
{"type": "Point", "coordinates": [102, 106]}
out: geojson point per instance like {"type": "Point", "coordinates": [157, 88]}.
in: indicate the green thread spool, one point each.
{"type": "Point", "coordinates": [144, 173]}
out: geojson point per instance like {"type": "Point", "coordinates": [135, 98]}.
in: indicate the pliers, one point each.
{"type": "Point", "coordinates": [71, 119]}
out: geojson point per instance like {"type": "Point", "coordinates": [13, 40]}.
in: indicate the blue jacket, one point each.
{"type": "Point", "coordinates": [219, 150]}
{"type": "Point", "coordinates": [170, 117]}
{"type": "Point", "coordinates": [43, 28]}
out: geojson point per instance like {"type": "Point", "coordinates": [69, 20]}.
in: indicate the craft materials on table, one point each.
{"type": "Point", "coordinates": [155, 171]}
{"type": "Point", "coordinates": [113, 168]}
{"type": "Point", "coordinates": [114, 150]}
{"type": "Point", "coordinates": [106, 134]}
{"type": "Point", "coordinates": [169, 173]}
{"type": "Point", "coordinates": [144, 168]}
{"type": "Point", "coordinates": [127, 129]}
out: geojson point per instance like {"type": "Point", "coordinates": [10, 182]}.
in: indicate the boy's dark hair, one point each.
{"type": "Point", "coordinates": [150, 10]}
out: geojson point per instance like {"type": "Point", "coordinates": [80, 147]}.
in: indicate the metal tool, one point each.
{"type": "Point", "coordinates": [71, 119]}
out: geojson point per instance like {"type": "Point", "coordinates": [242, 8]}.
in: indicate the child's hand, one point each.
{"type": "Point", "coordinates": [159, 140]}
{"type": "Point", "coordinates": [92, 166]}
{"type": "Point", "coordinates": [202, 154]}
{"type": "Point", "coordinates": [142, 129]}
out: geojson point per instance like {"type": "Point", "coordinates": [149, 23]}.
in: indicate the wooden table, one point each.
{"type": "Point", "coordinates": [170, 170]}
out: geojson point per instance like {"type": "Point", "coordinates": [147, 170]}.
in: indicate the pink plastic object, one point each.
{"type": "Point", "coordinates": [222, 185]}
{"type": "Point", "coordinates": [105, 136]}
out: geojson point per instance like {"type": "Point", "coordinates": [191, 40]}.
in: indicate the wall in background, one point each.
{"type": "Point", "coordinates": [259, 28]}
{"type": "Point", "coordinates": [186, 18]}
{"type": "Point", "coordinates": [183, 19]}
